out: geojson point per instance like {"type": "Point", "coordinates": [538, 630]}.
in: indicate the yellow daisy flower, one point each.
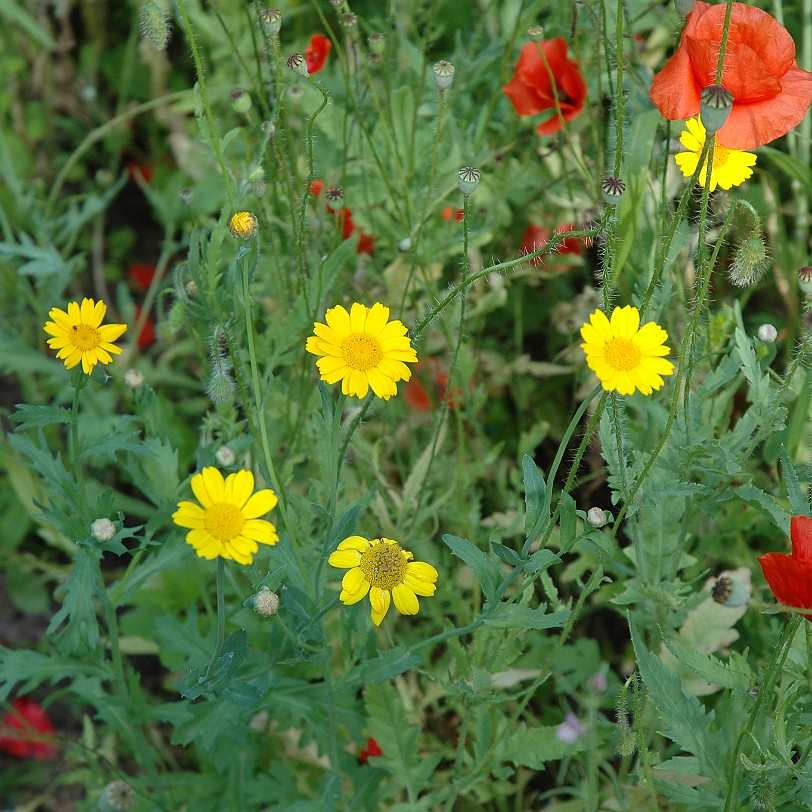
{"type": "Point", "coordinates": [623, 355]}
{"type": "Point", "coordinates": [79, 335]}
{"type": "Point", "coordinates": [226, 523]}
{"type": "Point", "coordinates": [383, 569]}
{"type": "Point", "coordinates": [730, 166]}
{"type": "Point", "coordinates": [362, 349]}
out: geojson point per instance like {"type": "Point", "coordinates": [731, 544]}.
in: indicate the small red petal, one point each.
{"type": "Point", "coordinates": [27, 717]}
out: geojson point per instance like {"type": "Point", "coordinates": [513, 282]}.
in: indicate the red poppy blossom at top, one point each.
{"type": "Point", "coordinates": [316, 52]}
{"type": "Point", "coordinates": [790, 576]}
{"type": "Point", "coordinates": [531, 88]}
{"type": "Point", "coordinates": [22, 730]}
{"type": "Point", "coordinates": [771, 94]}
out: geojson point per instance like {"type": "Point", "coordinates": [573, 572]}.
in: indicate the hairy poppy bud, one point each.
{"type": "Point", "coordinates": [155, 28]}
{"type": "Point", "coordinates": [749, 262]}
{"type": "Point", "coordinates": [715, 104]}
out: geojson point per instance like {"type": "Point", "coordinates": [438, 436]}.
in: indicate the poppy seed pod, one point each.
{"type": "Point", "coordinates": [443, 74]}
{"type": "Point", "coordinates": [684, 7]}
{"type": "Point", "coordinates": [117, 796]}
{"type": "Point", "coordinates": [468, 180]}
{"type": "Point", "coordinates": [349, 21]}
{"type": "Point", "coordinates": [271, 21]}
{"type": "Point", "coordinates": [536, 33]}
{"type": "Point", "coordinates": [715, 104]}
{"type": "Point", "coordinates": [612, 190]}
{"type": "Point", "coordinates": [805, 280]}
{"type": "Point", "coordinates": [240, 101]}
{"type": "Point", "coordinates": [376, 42]}
{"type": "Point", "coordinates": [298, 64]}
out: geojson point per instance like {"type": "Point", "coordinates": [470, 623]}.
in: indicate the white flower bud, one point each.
{"type": "Point", "coordinates": [767, 333]}
{"type": "Point", "coordinates": [102, 530]}
{"type": "Point", "coordinates": [596, 517]}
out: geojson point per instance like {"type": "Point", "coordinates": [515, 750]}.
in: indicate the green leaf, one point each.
{"type": "Point", "coordinates": [387, 666]}
{"type": "Point", "coordinates": [23, 671]}
{"type": "Point", "coordinates": [514, 616]}
{"type": "Point", "coordinates": [540, 561]}
{"type": "Point", "coordinates": [27, 417]}
{"type": "Point", "coordinates": [507, 555]}
{"type": "Point", "coordinates": [533, 747]}
{"type": "Point", "coordinates": [568, 520]}
{"type": "Point", "coordinates": [75, 625]}
{"type": "Point", "coordinates": [765, 502]}
{"type": "Point", "coordinates": [684, 719]}
{"type": "Point", "coordinates": [735, 675]}
{"type": "Point", "coordinates": [15, 14]}
{"type": "Point", "coordinates": [484, 569]}
{"type": "Point", "coordinates": [797, 501]}
{"type": "Point", "coordinates": [537, 505]}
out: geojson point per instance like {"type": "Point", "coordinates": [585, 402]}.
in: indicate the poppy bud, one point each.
{"type": "Point", "coordinates": [763, 793]}
{"type": "Point", "coordinates": [536, 33]}
{"type": "Point", "coordinates": [176, 317]}
{"type": "Point", "coordinates": [443, 75]}
{"type": "Point", "coordinates": [805, 280]}
{"type": "Point", "coordinates": [298, 64]}
{"type": "Point", "coordinates": [684, 7]}
{"type": "Point", "coordinates": [468, 180]}
{"type": "Point", "coordinates": [155, 27]}
{"type": "Point", "coordinates": [102, 530]}
{"type": "Point", "coordinates": [117, 796]}
{"type": "Point", "coordinates": [749, 262]}
{"type": "Point", "coordinates": [220, 388]}
{"type": "Point", "coordinates": [376, 42]}
{"type": "Point", "coordinates": [612, 190]}
{"type": "Point", "coordinates": [243, 224]}
{"type": "Point", "coordinates": [240, 101]}
{"type": "Point", "coordinates": [715, 104]}
{"type": "Point", "coordinates": [767, 333]}
{"type": "Point", "coordinates": [271, 21]}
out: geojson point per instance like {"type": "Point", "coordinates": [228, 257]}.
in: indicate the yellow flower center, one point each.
{"type": "Point", "coordinates": [720, 154]}
{"type": "Point", "coordinates": [383, 565]}
{"type": "Point", "coordinates": [224, 521]}
{"type": "Point", "coordinates": [361, 351]}
{"type": "Point", "coordinates": [622, 354]}
{"type": "Point", "coordinates": [85, 337]}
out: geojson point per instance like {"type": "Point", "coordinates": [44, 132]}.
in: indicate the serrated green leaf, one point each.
{"type": "Point", "coordinates": [798, 504]}
{"type": "Point", "coordinates": [387, 666]}
{"type": "Point", "coordinates": [32, 416]}
{"type": "Point", "coordinates": [540, 561]}
{"type": "Point", "coordinates": [75, 625]}
{"type": "Point", "coordinates": [535, 746]}
{"type": "Point", "coordinates": [765, 502]}
{"type": "Point", "coordinates": [485, 571]}
{"type": "Point", "coordinates": [684, 720]}
{"type": "Point", "coordinates": [23, 671]}
{"type": "Point", "coordinates": [735, 675]}
{"type": "Point", "coordinates": [514, 616]}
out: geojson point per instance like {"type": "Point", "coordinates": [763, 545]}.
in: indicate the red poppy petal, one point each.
{"type": "Point", "coordinates": [674, 89]}
{"type": "Point", "coordinates": [800, 530]}
{"type": "Point", "coordinates": [751, 125]}
{"type": "Point", "coordinates": [790, 580]}
{"type": "Point", "coordinates": [526, 100]}
{"type": "Point", "coordinates": [316, 52]}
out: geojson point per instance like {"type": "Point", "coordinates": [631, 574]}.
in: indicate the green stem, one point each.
{"type": "Point", "coordinates": [204, 97]}
{"type": "Point", "coordinates": [80, 379]}
{"type": "Point", "coordinates": [774, 669]}
{"type": "Point", "coordinates": [221, 618]}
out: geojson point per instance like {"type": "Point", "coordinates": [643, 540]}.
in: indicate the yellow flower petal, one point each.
{"type": "Point", "coordinates": [405, 600]}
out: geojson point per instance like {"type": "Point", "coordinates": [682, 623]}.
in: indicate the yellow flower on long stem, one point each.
{"type": "Point", "coordinates": [363, 350]}
{"type": "Point", "coordinates": [730, 166]}
{"type": "Point", "coordinates": [623, 355]}
{"type": "Point", "coordinates": [385, 571]}
{"type": "Point", "coordinates": [227, 521]}
{"type": "Point", "coordinates": [79, 335]}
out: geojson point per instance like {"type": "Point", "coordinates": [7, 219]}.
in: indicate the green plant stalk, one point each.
{"type": "Point", "coordinates": [204, 96]}
{"type": "Point", "coordinates": [550, 248]}
{"type": "Point", "coordinates": [723, 48]}
{"type": "Point", "coordinates": [221, 618]}
{"type": "Point", "coordinates": [79, 381]}
{"type": "Point", "coordinates": [619, 116]}
{"type": "Point", "coordinates": [773, 672]}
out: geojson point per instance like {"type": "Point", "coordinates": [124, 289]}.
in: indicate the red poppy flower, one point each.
{"type": "Point", "coordinates": [790, 576]}
{"type": "Point", "coordinates": [366, 244]}
{"type": "Point", "coordinates": [316, 52]}
{"type": "Point", "coordinates": [531, 89]}
{"type": "Point", "coordinates": [771, 94]}
{"type": "Point", "coordinates": [19, 729]}
{"type": "Point", "coordinates": [457, 214]}
{"type": "Point", "coordinates": [137, 171]}
{"type": "Point", "coordinates": [147, 335]}
{"type": "Point", "coordinates": [140, 275]}
{"type": "Point", "coordinates": [416, 394]}
{"type": "Point", "coordinates": [372, 749]}
{"type": "Point", "coordinates": [315, 187]}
